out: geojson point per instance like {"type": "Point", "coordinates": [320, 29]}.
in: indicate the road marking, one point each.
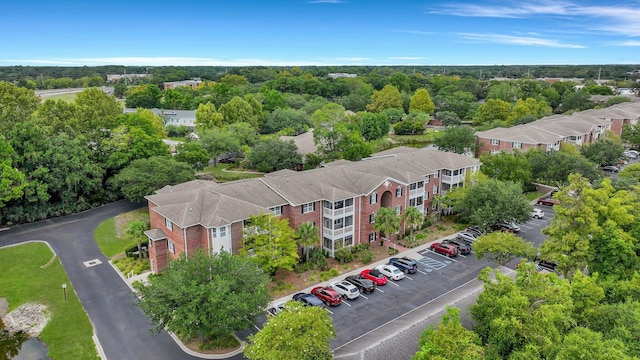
{"type": "Point", "coordinates": [364, 296]}
{"type": "Point", "coordinates": [391, 282]}
{"type": "Point", "coordinates": [424, 272]}
{"type": "Point", "coordinates": [329, 311]}
{"type": "Point", "coordinates": [91, 263]}
{"type": "Point", "coordinates": [408, 277]}
{"type": "Point", "coordinates": [464, 256]}
{"type": "Point", "coordinates": [431, 263]}
{"type": "Point", "coordinates": [446, 257]}
{"type": "Point", "coordinates": [346, 303]}
{"type": "Point", "coordinates": [257, 328]}
{"type": "Point", "coordinates": [382, 291]}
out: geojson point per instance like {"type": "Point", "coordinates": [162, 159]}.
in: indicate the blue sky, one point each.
{"type": "Point", "coordinates": [318, 32]}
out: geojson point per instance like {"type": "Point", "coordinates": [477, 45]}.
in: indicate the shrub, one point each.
{"type": "Point", "coordinates": [331, 273]}
{"type": "Point", "coordinates": [393, 251]}
{"type": "Point", "coordinates": [318, 259]}
{"type": "Point", "coordinates": [366, 256]}
{"type": "Point", "coordinates": [344, 255]}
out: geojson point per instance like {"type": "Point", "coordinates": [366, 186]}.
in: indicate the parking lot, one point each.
{"type": "Point", "coordinates": [436, 275]}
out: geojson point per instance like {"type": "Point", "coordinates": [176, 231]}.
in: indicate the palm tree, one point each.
{"type": "Point", "coordinates": [387, 222]}
{"type": "Point", "coordinates": [135, 231]}
{"type": "Point", "coordinates": [412, 218]}
{"type": "Point", "coordinates": [307, 236]}
{"type": "Point", "coordinates": [440, 201]}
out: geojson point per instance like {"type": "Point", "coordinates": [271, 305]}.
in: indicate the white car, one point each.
{"type": "Point", "coordinates": [391, 272]}
{"type": "Point", "coordinates": [276, 308]}
{"type": "Point", "coordinates": [346, 289]}
{"type": "Point", "coordinates": [632, 154]}
{"type": "Point", "coordinates": [537, 213]}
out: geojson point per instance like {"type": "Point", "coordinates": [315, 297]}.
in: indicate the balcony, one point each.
{"type": "Point", "coordinates": [337, 212]}
{"type": "Point", "coordinates": [453, 179]}
{"type": "Point", "coordinates": [337, 233]}
{"type": "Point", "coordinates": [416, 192]}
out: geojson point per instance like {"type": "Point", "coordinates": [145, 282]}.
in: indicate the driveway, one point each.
{"type": "Point", "coordinates": [121, 327]}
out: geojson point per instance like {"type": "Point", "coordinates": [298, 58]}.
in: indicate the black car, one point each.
{"type": "Point", "coordinates": [409, 266]}
{"type": "Point", "coordinates": [463, 247]}
{"type": "Point", "coordinates": [475, 230]}
{"type": "Point", "coordinates": [308, 299]}
{"type": "Point", "coordinates": [365, 286]}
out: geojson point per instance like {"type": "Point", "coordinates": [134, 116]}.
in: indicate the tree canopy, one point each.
{"type": "Point", "coordinates": [270, 242]}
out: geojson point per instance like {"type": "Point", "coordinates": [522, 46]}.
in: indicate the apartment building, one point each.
{"type": "Point", "coordinates": [341, 199]}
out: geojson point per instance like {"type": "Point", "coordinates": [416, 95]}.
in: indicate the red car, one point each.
{"type": "Point", "coordinates": [547, 201]}
{"type": "Point", "coordinates": [445, 249]}
{"type": "Point", "coordinates": [328, 296]}
{"type": "Point", "coordinates": [374, 275]}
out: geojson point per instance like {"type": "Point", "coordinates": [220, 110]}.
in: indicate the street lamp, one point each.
{"type": "Point", "coordinates": [64, 290]}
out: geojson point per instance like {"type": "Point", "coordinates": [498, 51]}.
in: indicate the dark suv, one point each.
{"type": "Point", "coordinates": [365, 286]}
{"type": "Point", "coordinates": [462, 246]}
{"type": "Point", "coordinates": [409, 266]}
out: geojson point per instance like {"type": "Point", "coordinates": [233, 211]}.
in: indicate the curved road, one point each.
{"type": "Point", "coordinates": [121, 327]}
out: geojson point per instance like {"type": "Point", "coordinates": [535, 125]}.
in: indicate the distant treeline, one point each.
{"type": "Point", "coordinates": [258, 74]}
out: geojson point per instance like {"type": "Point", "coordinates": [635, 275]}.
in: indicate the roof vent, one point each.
{"type": "Point", "coordinates": [190, 209]}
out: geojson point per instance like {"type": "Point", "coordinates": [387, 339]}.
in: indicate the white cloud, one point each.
{"type": "Point", "coordinates": [516, 40]}
{"type": "Point", "coordinates": [626, 43]}
{"type": "Point", "coordinates": [620, 19]}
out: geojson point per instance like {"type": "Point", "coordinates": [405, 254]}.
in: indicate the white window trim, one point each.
{"type": "Point", "coordinates": [168, 224]}
{"type": "Point", "coordinates": [171, 246]}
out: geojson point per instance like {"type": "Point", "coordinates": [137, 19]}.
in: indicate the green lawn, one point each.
{"type": "Point", "coordinates": [65, 97]}
{"type": "Point", "coordinates": [533, 195]}
{"type": "Point", "coordinates": [110, 242]}
{"type": "Point", "coordinates": [68, 333]}
{"type": "Point", "coordinates": [224, 176]}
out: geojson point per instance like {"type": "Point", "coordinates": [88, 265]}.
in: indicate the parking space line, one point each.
{"type": "Point", "coordinates": [330, 312]}
{"type": "Point", "coordinates": [431, 263]}
{"type": "Point", "coordinates": [446, 257]}
{"type": "Point", "coordinates": [423, 272]}
{"type": "Point", "coordinates": [256, 326]}
{"type": "Point", "coordinates": [464, 256]}
{"type": "Point", "coordinates": [392, 282]}
{"type": "Point", "coordinates": [382, 291]}
{"type": "Point", "coordinates": [408, 277]}
{"type": "Point", "coordinates": [346, 303]}
{"type": "Point", "coordinates": [364, 296]}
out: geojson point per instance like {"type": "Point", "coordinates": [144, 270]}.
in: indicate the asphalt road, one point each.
{"type": "Point", "coordinates": [121, 327]}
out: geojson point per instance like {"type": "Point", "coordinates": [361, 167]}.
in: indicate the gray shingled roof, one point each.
{"type": "Point", "coordinates": [155, 234]}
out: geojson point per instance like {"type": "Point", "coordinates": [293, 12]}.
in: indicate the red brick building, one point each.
{"type": "Point", "coordinates": [341, 199]}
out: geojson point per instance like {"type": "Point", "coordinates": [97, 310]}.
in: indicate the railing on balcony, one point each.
{"type": "Point", "coordinates": [338, 212]}
{"type": "Point", "coordinates": [337, 233]}
{"type": "Point", "coordinates": [452, 179]}
{"type": "Point", "coordinates": [416, 192]}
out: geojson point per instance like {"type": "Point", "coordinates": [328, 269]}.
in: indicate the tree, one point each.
{"type": "Point", "coordinates": [502, 247]}
{"type": "Point", "coordinates": [144, 176]}
{"type": "Point", "coordinates": [421, 102]}
{"type": "Point", "coordinates": [205, 297]}
{"type": "Point", "coordinates": [631, 171]}
{"type": "Point", "coordinates": [291, 121]}
{"type": "Point", "coordinates": [449, 341]}
{"type": "Point", "coordinates": [491, 201]}
{"type": "Point", "coordinates": [413, 218]}
{"type": "Point", "coordinates": [135, 231]}
{"type": "Point", "coordinates": [410, 126]}
{"type": "Point", "coordinates": [448, 118]}
{"type": "Point", "coordinates": [387, 98]}
{"type": "Point", "coordinates": [234, 80]}
{"type": "Point", "coordinates": [17, 105]}
{"type": "Point", "coordinates": [192, 153]}
{"type": "Point", "coordinates": [374, 126]}
{"type": "Point", "coordinates": [272, 154]}
{"type": "Point", "coordinates": [207, 117]}
{"type": "Point", "coordinates": [603, 152]}
{"type": "Point", "coordinates": [119, 89]}
{"type": "Point", "coordinates": [297, 333]}
{"type": "Point", "coordinates": [308, 235]}
{"type": "Point", "coordinates": [12, 180]}
{"type": "Point", "coordinates": [144, 96]}
{"type": "Point", "coordinates": [554, 167]}
{"type": "Point", "coordinates": [387, 223]}
{"type": "Point", "coordinates": [238, 110]}
{"type": "Point", "coordinates": [270, 242]}
{"type": "Point", "coordinates": [218, 142]}
{"type": "Point", "coordinates": [583, 343]}
{"type": "Point", "coordinates": [506, 166]}
{"type": "Point", "coordinates": [273, 99]}
{"type": "Point", "coordinates": [492, 110]}
{"type": "Point", "coordinates": [458, 139]}
{"type": "Point", "coordinates": [631, 133]}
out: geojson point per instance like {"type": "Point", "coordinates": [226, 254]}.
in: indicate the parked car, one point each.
{"type": "Point", "coordinates": [374, 275]}
{"type": "Point", "coordinates": [631, 154]}
{"type": "Point", "coordinates": [391, 272]}
{"type": "Point", "coordinates": [547, 201]}
{"type": "Point", "coordinates": [463, 247]}
{"type": "Point", "coordinates": [467, 236]}
{"type": "Point", "coordinates": [276, 308]}
{"type": "Point", "coordinates": [475, 230]}
{"type": "Point", "coordinates": [507, 226]}
{"type": "Point", "coordinates": [537, 213]}
{"type": "Point", "coordinates": [409, 266]}
{"type": "Point", "coordinates": [328, 296]}
{"type": "Point", "coordinates": [365, 286]}
{"type": "Point", "coordinates": [308, 299]}
{"type": "Point", "coordinates": [611, 169]}
{"type": "Point", "coordinates": [346, 289]}
{"type": "Point", "coordinates": [445, 249]}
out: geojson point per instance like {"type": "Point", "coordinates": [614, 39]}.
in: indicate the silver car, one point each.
{"type": "Point", "coordinates": [346, 289]}
{"type": "Point", "coordinates": [467, 236]}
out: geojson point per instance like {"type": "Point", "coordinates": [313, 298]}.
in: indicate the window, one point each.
{"type": "Point", "coordinates": [348, 202]}
{"type": "Point", "coordinates": [412, 202]}
{"type": "Point", "coordinates": [419, 200]}
{"type": "Point", "coordinates": [517, 145]}
{"type": "Point", "coordinates": [172, 247]}
{"type": "Point", "coordinates": [495, 142]}
{"type": "Point", "coordinates": [277, 210]}
{"type": "Point", "coordinates": [219, 232]}
{"type": "Point", "coordinates": [413, 186]}
{"type": "Point", "coordinates": [168, 224]}
{"type": "Point", "coordinates": [223, 231]}
{"type": "Point", "coordinates": [398, 192]}
{"type": "Point", "coordinates": [150, 243]}
{"type": "Point", "coordinates": [372, 218]}
{"type": "Point", "coordinates": [420, 184]}
{"type": "Point", "coordinates": [435, 189]}
{"type": "Point", "coordinates": [214, 233]}
{"type": "Point", "coordinates": [372, 236]}
{"type": "Point", "coordinates": [428, 178]}
{"type": "Point", "coordinates": [327, 224]}
{"type": "Point", "coordinates": [307, 208]}
{"type": "Point", "coordinates": [398, 209]}
{"type": "Point", "coordinates": [373, 198]}
{"type": "Point", "coordinates": [338, 224]}
{"type": "Point", "coordinates": [348, 221]}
